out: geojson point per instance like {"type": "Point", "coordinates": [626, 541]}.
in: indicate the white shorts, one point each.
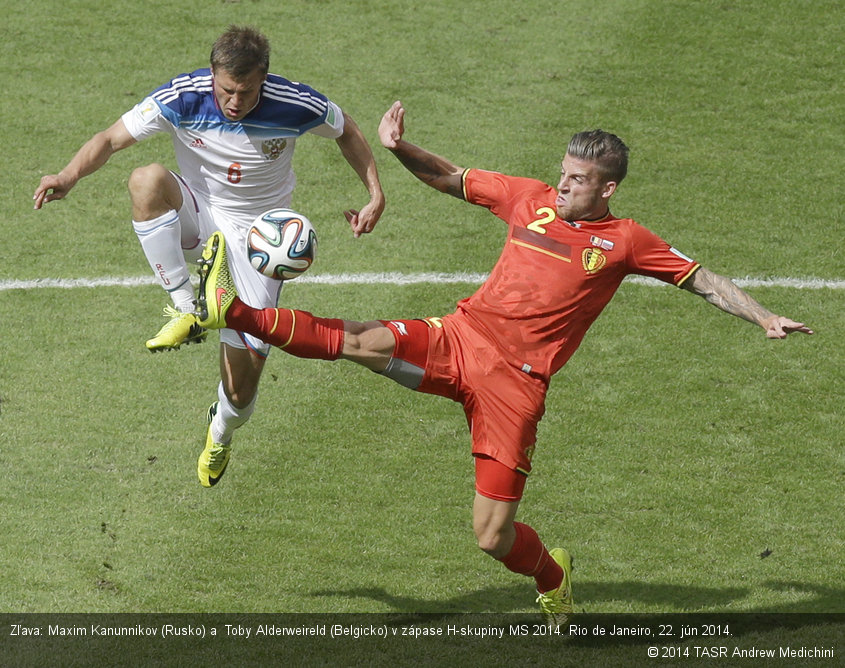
{"type": "Point", "coordinates": [199, 220]}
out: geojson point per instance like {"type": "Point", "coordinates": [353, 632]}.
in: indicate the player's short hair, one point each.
{"type": "Point", "coordinates": [240, 51]}
{"type": "Point", "coordinates": [606, 150]}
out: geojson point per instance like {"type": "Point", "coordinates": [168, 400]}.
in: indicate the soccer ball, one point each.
{"type": "Point", "coordinates": [281, 244]}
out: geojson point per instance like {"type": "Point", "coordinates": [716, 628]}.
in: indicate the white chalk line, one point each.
{"type": "Point", "coordinates": [396, 278]}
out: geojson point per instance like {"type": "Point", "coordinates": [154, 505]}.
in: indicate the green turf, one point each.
{"type": "Point", "coordinates": [678, 446]}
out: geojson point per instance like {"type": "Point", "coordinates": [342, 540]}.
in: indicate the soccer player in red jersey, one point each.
{"type": "Point", "coordinates": [564, 257]}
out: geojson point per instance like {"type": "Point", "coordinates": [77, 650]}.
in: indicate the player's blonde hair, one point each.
{"type": "Point", "coordinates": [240, 51]}
{"type": "Point", "coordinates": [605, 149]}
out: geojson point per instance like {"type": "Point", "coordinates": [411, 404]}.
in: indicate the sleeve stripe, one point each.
{"type": "Point", "coordinates": [316, 106]}
{"type": "Point", "coordinates": [692, 270]}
{"type": "Point", "coordinates": [464, 183]}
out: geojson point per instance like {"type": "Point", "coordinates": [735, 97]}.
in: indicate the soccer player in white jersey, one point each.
{"type": "Point", "coordinates": [234, 127]}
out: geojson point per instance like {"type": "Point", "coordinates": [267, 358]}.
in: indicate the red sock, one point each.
{"type": "Point", "coordinates": [529, 556]}
{"type": "Point", "coordinates": [296, 332]}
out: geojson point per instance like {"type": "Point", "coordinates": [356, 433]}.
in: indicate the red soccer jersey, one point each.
{"type": "Point", "coordinates": [553, 277]}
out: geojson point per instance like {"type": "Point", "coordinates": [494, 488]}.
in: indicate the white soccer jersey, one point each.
{"type": "Point", "coordinates": [241, 168]}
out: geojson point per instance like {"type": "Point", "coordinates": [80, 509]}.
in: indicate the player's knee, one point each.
{"type": "Point", "coordinates": [148, 181]}
{"type": "Point", "coordinates": [240, 395]}
{"type": "Point", "coordinates": [367, 343]}
{"type": "Point", "coordinates": [241, 398]}
{"type": "Point", "coordinates": [352, 343]}
{"type": "Point", "coordinates": [363, 337]}
{"type": "Point", "coordinates": [492, 541]}
{"type": "Point", "coordinates": [154, 191]}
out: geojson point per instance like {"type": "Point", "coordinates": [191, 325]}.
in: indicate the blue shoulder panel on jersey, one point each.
{"type": "Point", "coordinates": [286, 108]}
{"type": "Point", "coordinates": [188, 100]}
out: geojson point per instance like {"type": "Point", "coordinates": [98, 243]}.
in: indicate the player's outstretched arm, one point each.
{"type": "Point", "coordinates": [726, 295]}
{"type": "Point", "coordinates": [88, 159]}
{"type": "Point", "coordinates": [358, 154]}
{"type": "Point", "coordinates": [438, 172]}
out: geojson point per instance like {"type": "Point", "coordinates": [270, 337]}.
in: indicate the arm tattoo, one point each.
{"type": "Point", "coordinates": [431, 169]}
{"type": "Point", "coordinates": [723, 293]}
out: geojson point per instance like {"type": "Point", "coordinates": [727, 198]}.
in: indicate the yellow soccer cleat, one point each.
{"type": "Point", "coordinates": [214, 459]}
{"type": "Point", "coordinates": [556, 605]}
{"type": "Point", "coordinates": [217, 289]}
{"type": "Point", "coordinates": [181, 328]}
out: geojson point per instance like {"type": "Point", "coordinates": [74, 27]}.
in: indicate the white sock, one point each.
{"type": "Point", "coordinates": [228, 417]}
{"type": "Point", "coordinates": [161, 240]}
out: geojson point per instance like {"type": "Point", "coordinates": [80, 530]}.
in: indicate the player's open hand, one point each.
{"type": "Point", "coordinates": [780, 327]}
{"type": "Point", "coordinates": [392, 126]}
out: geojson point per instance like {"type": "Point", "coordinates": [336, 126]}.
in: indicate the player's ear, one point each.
{"type": "Point", "coordinates": [609, 189]}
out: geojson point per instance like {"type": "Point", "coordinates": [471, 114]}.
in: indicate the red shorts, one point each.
{"type": "Point", "coordinates": [497, 481]}
{"type": "Point", "coordinates": [502, 403]}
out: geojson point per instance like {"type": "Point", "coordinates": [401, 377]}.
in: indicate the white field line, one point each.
{"type": "Point", "coordinates": [396, 278]}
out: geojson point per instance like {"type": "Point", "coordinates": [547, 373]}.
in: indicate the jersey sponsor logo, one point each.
{"type": "Point", "coordinates": [272, 148]}
{"type": "Point", "coordinates": [593, 260]}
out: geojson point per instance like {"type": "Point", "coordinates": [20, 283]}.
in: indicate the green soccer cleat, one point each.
{"type": "Point", "coordinates": [556, 605]}
{"type": "Point", "coordinates": [217, 289]}
{"type": "Point", "coordinates": [181, 328]}
{"type": "Point", "coordinates": [214, 459]}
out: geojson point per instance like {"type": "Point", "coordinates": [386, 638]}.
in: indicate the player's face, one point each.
{"type": "Point", "coordinates": [583, 192]}
{"type": "Point", "coordinates": [237, 97]}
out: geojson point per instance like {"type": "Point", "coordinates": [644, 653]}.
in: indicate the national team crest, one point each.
{"type": "Point", "coordinates": [273, 147]}
{"type": "Point", "coordinates": [593, 260]}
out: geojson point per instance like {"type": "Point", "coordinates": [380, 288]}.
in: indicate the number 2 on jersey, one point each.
{"type": "Point", "coordinates": [547, 214]}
